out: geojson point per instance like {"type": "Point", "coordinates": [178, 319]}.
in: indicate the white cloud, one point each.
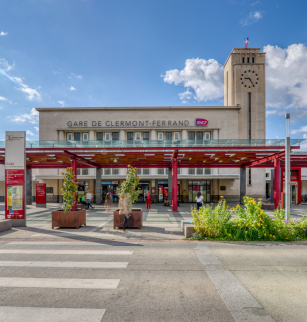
{"type": "Point", "coordinates": [54, 72]}
{"type": "Point", "coordinates": [204, 77]}
{"type": "Point", "coordinates": [71, 88]}
{"type": "Point", "coordinates": [36, 128]}
{"type": "Point", "coordinates": [302, 129]}
{"type": "Point", "coordinates": [4, 64]}
{"type": "Point", "coordinates": [2, 33]}
{"type": "Point", "coordinates": [3, 99]}
{"type": "Point", "coordinates": [28, 132]}
{"type": "Point", "coordinates": [255, 3]}
{"type": "Point", "coordinates": [252, 18]}
{"type": "Point", "coordinates": [80, 77]}
{"type": "Point", "coordinates": [62, 103]}
{"type": "Point", "coordinates": [32, 93]}
{"type": "Point", "coordinates": [32, 117]}
{"type": "Point", "coordinates": [271, 112]}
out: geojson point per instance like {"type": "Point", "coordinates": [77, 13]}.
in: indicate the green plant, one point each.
{"type": "Point", "coordinates": [69, 190]}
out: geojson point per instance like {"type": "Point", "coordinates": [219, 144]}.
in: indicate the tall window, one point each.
{"type": "Point", "coordinates": [199, 171]}
{"type": "Point", "coordinates": [138, 135]}
{"type": "Point", "coordinates": [114, 171]}
{"type": "Point", "coordinates": [84, 172]}
{"type": "Point", "coordinates": [191, 170]}
{"type": "Point", "coordinates": [107, 171]}
{"type": "Point", "coordinates": [160, 171]}
{"type": "Point", "coordinates": [249, 176]}
{"type": "Point", "coordinates": [191, 135]}
{"type": "Point", "coordinates": [199, 136]}
{"type": "Point", "coordinates": [99, 136]}
{"type": "Point", "coordinates": [77, 136]}
{"type": "Point", "coordinates": [129, 135]}
{"type": "Point", "coordinates": [69, 136]}
{"type": "Point", "coordinates": [108, 136]}
{"type": "Point", "coordinates": [176, 136]}
{"type": "Point", "coordinates": [207, 135]}
{"type": "Point", "coordinates": [243, 60]}
{"type": "Point", "coordinates": [253, 60]}
{"type": "Point", "coordinates": [145, 135]}
{"type": "Point", "coordinates": [145, 171]}
{"type": "Point", "coordinates": [248, 60]}
{"type": "Point", "coordinates": [115, 136]}
{"type": "Point", "coordinates": [139, 171]}
{"type": "Point", "coordinates": [85, 136]}
{"type": "Point", "coordinates": [168, 135]}
{"type": "Point", "coordinates": [160, 136]}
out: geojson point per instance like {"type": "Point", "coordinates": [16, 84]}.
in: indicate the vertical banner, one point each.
{"type": "Point", "coordinates": [41, 195]}
{"type": "Point", "coordinates": [15, 177]}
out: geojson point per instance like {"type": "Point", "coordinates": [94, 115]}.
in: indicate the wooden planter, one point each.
{"type": "Point", "coordinates": [134, 221]}
{"type": "Point", "coordinates": [72, 218]}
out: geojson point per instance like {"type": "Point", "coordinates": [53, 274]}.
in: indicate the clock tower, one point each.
{"type": "Point", "coordinates": [244, 86]}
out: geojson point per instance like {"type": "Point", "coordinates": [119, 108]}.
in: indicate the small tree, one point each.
{"type": "Point", "coordinates": [127, 191]}
{"type": "Point", "coordinates": [69, 190]}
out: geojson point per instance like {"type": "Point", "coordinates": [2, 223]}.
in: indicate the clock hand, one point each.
{"type": "Point", "coordinates": [249, 79]}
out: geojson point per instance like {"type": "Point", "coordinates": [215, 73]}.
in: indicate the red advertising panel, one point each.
{"type": "Point", "coordinates": [14, 194]}
{"type": "Point", "coordinates": [41, 194]}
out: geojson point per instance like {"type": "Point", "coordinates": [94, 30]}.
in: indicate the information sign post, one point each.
{"type": "Point", "coordinates": [15, 177]}
{"type": "Point", "coordinates": [41, 195]}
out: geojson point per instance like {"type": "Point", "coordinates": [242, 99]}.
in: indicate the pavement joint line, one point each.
{"type": "Point", "coordinates": [239, 301]}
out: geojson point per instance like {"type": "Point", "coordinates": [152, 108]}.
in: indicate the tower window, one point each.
{"type": "Point", "coordinates": [248, 60]}
{"type": "Point", "coordinates": [243, 60]}
{"type": "Point", "coordinates": [253, 60]}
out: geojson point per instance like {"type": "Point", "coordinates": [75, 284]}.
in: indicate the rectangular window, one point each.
{"type": "Point", "coordinates": [249, 176]}
{"type": "Point", "coordinates": [199, 136]}
{"type": "Point", "coordinates": [145, 171]}
{"type": "Point", "coordinates": [129, 135]}
{"type": "Point", "coordinates": [108, 136]}
{"type": "Point", "coordinates": [207, 135]}
{"type": "Point", "coordinates": [199, 171]}
{"type": "Point", "coordinates": [248, 60]}
{"type": "Point", "coordinates": [160, 171]}
{"type": "Point", "coordinates": [176, 136]}
{"type": "Point", "coordinates": [107, 172]}
{"type": "Point", "coordinates": [69, 136]}
{"type": "Point", "coordinates": [191, 135]}
{"type": "Point", "coordinates": [160, 136]}
{"type": "Point", "coordinates": [77, 136]}
{"type": "Point", "coordinates": [114, 171]}
{"type": "Point", "coordinates": [49, 189]}
{"type": "Point", "coordinates": [191, 170]}
{"type": "Point", "coordinates": [207, 170]}
{"type": "Point", "coordinates": [85, 136]}
{"type": "Point", "coordinates": [84, 172]}
{"type": "Point", "coordinates": [138, 136]}
{"type": "Point", "coordinates": [145, 135]}
{"type": "Point", "coordinates": [168, 136]}
{"type": "Point", "coordinates": [267, 175]}
{"type": "Point", "coordinates": [78, 172]}
{"type": "Point", "coordinates": [243, 60]}
{"type": "Point", "coordinates": [178, 170]}
{"type": "Point", "coordinates": [99, 136]}
{"type": "Point", "coordinates": [115, 136]}
{"type": "Point", "coordinates": [167, 170]}
{"type": "Point", "coordinates": [139, 171]}
{"type": "Point", "coordinates": [253, 60]}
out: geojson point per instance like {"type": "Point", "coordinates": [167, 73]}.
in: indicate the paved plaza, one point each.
{"type": "Point", "coordinates": [98, 274]}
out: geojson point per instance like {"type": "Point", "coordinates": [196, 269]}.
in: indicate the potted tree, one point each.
{"type": "Point", "coordinates": [128, 194]}
{"type": "Point", "coordinates": [69, 217]}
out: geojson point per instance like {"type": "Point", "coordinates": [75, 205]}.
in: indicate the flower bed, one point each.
{"type": "Point", "coordinates": [250, 223]}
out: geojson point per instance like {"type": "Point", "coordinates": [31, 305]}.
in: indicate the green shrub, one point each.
{"type": "Point", "coordinates": [69, 190]}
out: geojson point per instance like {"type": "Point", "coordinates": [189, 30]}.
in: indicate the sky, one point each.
{"type": "Point", "coordinates": [87, 53]}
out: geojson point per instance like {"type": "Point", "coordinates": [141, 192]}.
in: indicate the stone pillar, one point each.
{"type": "Point", "coordinates": [91, 135]}
{"type": "Point", "coordinates": [272, 186]}
{"type": "Point", "coordinates": [277, 183]}
{"type": "Point", "coordinates": [29, 187]}
{"type": "Point", "coordinates": [153, 135]}
{"type": "Point", "coordinates": [170, 185]}
{"type": "Point", "coordinates": [242, 184]}
{"type": "Point", "coordinates": [98, 186]}
{"type": "Point", "coordinates": [175, 187]}
{"type": "Point", "coordinates": [74, 171]}
{"type": "Point", "coordinates": [62, 136]}
{"type": "Point", "coordinates": [122, 135]}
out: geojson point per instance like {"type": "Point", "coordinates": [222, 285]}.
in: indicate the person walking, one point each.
{"type": "Point", "coordinates": [148, 200]}
{"type": "Point", "coordinates": [199, 200]}
{"type": "Point", "coordinates": [108, 203]}
{"type": "Point", "coordinates": [89, 197]}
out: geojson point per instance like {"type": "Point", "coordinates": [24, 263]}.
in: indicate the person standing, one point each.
{"type": "Point", "coordinates": [108, 203]}
{"type": "Point", "coordinates": [89, 197]}
{"type": "Point", "coordinates": [148, 200]}
{"type": "Point", "coordinates": [199, 200]}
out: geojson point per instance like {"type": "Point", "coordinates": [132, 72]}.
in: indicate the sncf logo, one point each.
{"type": "Point", "coordinates": [201, 122]}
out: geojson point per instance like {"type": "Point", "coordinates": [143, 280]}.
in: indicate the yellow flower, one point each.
{"type": "Point", "coordinates": [238, 206]}
{"type": "Point", "coordinates": [245, 232]}
{"type": "Point", "coordinates": [258, 224]}
{"type": "Point", "coordinates": [270, 235]}
{"type": "Point", "coordinates": [239, 225]}
{"type": "Point", "coordinates": [259, 199]}
{"type": "Point", "coordinates": [229, 234]}
{"type": "Point", "coordinates": [246, 225]}
{"type": "Point", "coordinates": [273, 236]}
{"type": "Point", "coordinates": [264, 234]}
{"type": "Point", "coordinates": [253, 226]}
{"type": "Point", "coordinates": [234, 219]}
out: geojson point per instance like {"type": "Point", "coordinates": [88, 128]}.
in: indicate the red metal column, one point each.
{"type": "Point", "coordinates": [74, 171]}
{"type": "Point", "coordinates": [277, 183]}
{"type": "Point", "coordinates": [175, 187]}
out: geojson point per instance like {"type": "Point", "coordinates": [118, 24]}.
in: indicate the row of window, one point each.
{"type": "Point", "coordinates": [247, 60]}
{"type": "Point", "coordinates": [146, 171]}
{"type": "Point", "coordinates": [192, 135]}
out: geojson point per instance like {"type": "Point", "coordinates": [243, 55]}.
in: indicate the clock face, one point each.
{"type": "Point", "coordinates": [249, 79]}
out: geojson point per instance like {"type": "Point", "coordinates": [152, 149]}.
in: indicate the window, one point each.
{"type": "Point", "coordinates": [243, 60]}
{"type": "Point", "coordinates": [160, 136]}
{"type": "Point", "coordinates": [160, 171]}
{"type": "Point", "coordinates": [129, 135]}
{"type": "Point", "coordinates": [138, 135]}
{"type": "Point", "coordinates": [199, 136]}
{"type": "Point", "coordinates": [199, 171]}
{"type": "Point", "coordinates": [168, 135]}
{"type": "Point", "coordinates": [115, 136]}
{"type": "Point", "coordinates": [114, 171]}
{"type": "Point", "coordinates": [107, 172]}
{"type": "Point", "coordinates": [191, 170]}
{"type": "Point", "coordinates": [77, 136]}
{"type": "Point", "coordinates": [248, 60]}
{"type": "Point", "coordinates": [78, 172]}
{"type": "Point", "coordinates": [69, 136]}
{"type": "Point", "coordinates": [145, 171]}
{"type": "Point", "coordinates": [167, 170]}
{"type": "Point", "coordinates": [207, 135]}
{"type": "Point", "coordinates": [49, 189]}
{"type": "Point", "coordinates": [253, 60]}
{"type": "Point", "coordinates": [108, 136]}
{"type": "Point", "coordinates": [178, 170]}
{"type": "Point", "coordinates": [176, 136]}
{"type": "Point", "coordinates": [85, 136]}
{"type": "Point", "coordinates": [267, 175]}
{"type": "Point", "coordinates": [249, 176]}
{"type": "Point", "coordinates": [84, 172]}
{"type": "Point", "coordinates": [145, 135]}
{"type": "Point", "coordinates": [191, 135]}
{"type": "Point", "coordinates": [99, 136]}
{"type": "Point", "coordinates": [138, 171]}
{"type": "Point", "coordinates": [207, 170]}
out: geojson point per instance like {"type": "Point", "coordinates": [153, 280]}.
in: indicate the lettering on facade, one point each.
{"type": "Point", "coordinates": [144, 123]}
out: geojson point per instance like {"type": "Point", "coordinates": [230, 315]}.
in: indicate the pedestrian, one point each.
{"type": "Point", "coordinates": [89, 197]}
{"type": "Point", "coordinates": [82, 199]}
{"type": "Point", "coordinates": [199, 200]}
{"type": "Point", "coordinates": [148, 200]}
{"type": "Point", "coordinates": [108, 203]}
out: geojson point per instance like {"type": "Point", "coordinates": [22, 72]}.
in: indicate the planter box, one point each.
{"type": "Point", "coordinates": [134, 221]}
{"type": "Point", "coordinates": [68, 219]}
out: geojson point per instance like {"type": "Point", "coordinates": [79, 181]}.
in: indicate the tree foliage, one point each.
{"type": "Point", "coordinates": [69, 190]}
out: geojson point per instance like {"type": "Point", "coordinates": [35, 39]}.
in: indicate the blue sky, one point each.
{"type": "Point", "coordinates": [118, 53]}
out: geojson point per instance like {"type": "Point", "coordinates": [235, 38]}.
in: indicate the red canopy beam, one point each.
{"type": "Point", "coordinates": [82, 160]}
{"type": "Point", "coordinates": [270, 158]}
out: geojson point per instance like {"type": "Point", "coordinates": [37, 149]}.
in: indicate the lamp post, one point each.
{"type": "Point", "coordinates": [288, 167]}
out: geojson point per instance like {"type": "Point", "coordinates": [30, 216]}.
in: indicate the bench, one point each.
{"type": "Point", "coordinates": [81, 206]}
{"type": "Point", "coordinates": [5, 224]}
{"type": "Point", "coordinates": [187, 227]}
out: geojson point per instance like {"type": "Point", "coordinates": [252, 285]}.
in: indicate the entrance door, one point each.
{"type": "Point", "coordinates": [294, 196]}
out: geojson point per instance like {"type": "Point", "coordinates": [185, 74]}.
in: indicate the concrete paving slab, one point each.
{"type": "Point", "coordinates": [64, 264]}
